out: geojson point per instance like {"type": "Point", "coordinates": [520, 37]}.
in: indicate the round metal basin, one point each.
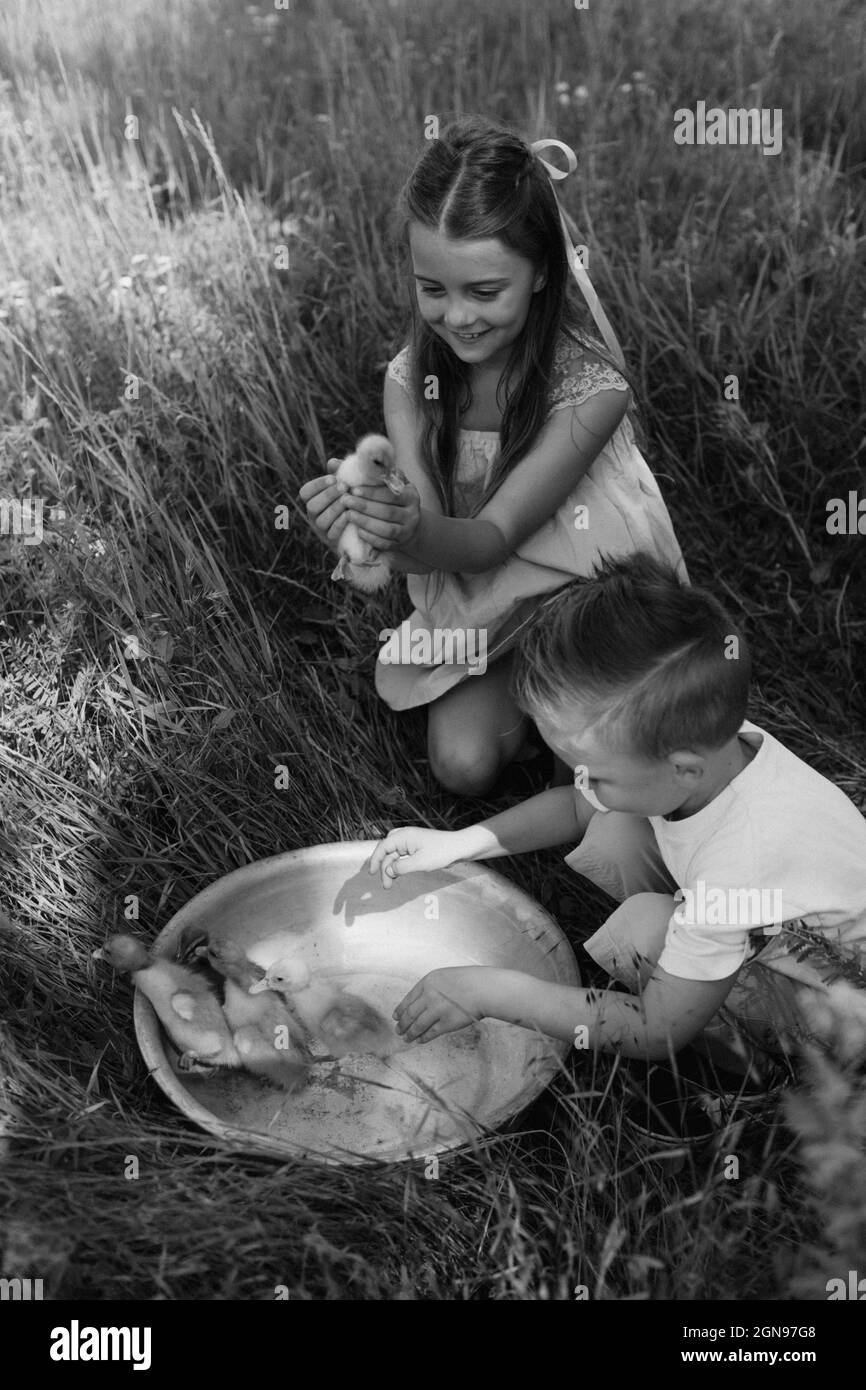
{"type": "Point", "coordinates": [423, 1098]}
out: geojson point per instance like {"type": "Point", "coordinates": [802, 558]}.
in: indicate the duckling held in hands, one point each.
{"type": "Point", "coordinates": [184, 1001]}
{"type": "Point", "coordinates": [373, 463]}
{"type": "Point", "coordinates": [342, 1021]}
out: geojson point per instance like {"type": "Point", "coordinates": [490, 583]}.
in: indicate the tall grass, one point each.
{"type": "Point", "coordinates": [167, 645]}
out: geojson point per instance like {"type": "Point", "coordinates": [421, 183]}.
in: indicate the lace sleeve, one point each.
{"type": "Point", "coordinates": [575, 381]}
{"type": "Point", "coordinates": [398, 368]}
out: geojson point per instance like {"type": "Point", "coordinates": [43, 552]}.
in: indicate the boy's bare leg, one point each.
{"type": "Point", "coordinates": [628, 946]}
{"type": "Point", "coordinates": [630, 942]}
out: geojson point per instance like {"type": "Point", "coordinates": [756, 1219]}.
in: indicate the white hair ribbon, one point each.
{"type": "Point", "coordinates": [577, 268]}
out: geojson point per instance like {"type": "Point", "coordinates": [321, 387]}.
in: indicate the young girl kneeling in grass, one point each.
{"type": "Point", "coordinates": [510, 422]}
{"type": "Point", "coordinates": [740, 869]}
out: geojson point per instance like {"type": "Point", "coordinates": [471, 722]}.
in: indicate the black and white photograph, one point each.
{"type": "Point", "coordinates": [432, 633]}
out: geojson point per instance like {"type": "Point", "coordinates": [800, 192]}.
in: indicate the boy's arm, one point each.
{"type": "Point", "coordinates": [555, 817]}
{"type": "Point", "coordinates": [661, 1020]}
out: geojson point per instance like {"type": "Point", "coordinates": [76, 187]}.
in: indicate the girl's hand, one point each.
{"type": "Point", "coordinates": [385, 521]}
{"type": "Point", "coordinates": [326, 501]}
{"type": "Point", "coordinates": [411, 850]}
{"type": "Point", "coordinates": [442, 1002]}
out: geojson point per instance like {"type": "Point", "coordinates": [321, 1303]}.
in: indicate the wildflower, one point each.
{"type": "Point", "coordinates": [288, 226]}
{"type": "Point", "coordinates": [839, 1017]}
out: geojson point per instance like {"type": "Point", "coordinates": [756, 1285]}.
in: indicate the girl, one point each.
{"type": "Point", "coordinates": [509, 420]}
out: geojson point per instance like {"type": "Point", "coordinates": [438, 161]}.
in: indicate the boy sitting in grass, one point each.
{"type": "Point", "coordinates": [741, 871]}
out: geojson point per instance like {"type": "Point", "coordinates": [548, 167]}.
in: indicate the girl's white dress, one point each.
{"type": "Point", "coordinates": [614, 510]}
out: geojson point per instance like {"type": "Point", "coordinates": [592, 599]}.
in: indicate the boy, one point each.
{"type": "Point", "coordinates": [741, 871]}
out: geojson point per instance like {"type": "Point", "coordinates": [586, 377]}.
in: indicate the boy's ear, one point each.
{"type": "Point", "coordinates": [540, 280]}
{"type": "Point", "coordinates": [688, 767]}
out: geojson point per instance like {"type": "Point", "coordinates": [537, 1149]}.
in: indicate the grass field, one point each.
{"type": "Point", "coordinates": [167, 386]}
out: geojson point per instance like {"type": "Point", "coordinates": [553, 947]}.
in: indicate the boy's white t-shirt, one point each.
{"type": "Point", "coordinates": [780, 843]}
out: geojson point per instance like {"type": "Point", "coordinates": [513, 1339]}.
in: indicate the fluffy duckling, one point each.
{"type": "Point", "coordinates": [184, 1001]}
{"type": "Point", "coordinates": [342, 1021]}
{"type": "Point", "coordinates": [188, 951]}
{"type": "Point", "coordinates": [264, 1010]}
{"type": "Point", "coordinates": [270, 1041]}
{"type": "Point", "coordinates": [373, 462]}
{"type": "Point", "coordinates": [284, 1066]}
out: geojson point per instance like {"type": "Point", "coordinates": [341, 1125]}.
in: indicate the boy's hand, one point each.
{"type": "Point", "coordinates": [385, 521]}
{"type": "Point", "coordinates": [410, 850]}
{"type": "Point", "coordinates": [326, 500]}
{"type": "Point", "coordinates": [441, 1002]}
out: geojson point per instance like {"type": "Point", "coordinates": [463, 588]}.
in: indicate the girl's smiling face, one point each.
{"type": "Point", "coordinates": [475, 295]}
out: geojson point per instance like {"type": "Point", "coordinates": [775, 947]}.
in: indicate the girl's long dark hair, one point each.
{"type": "Point", "coordinates": [480, 180]}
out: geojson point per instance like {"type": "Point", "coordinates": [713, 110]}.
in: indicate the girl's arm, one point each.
{"type": "Point", "coordinates": [401, 427]}
{"type": "Point", "coordinates": [404, 564]}
{"type": "Point", "coordinates": [661, 1020]}
{"type": "Point", "coordinates": [565, 448]}
{"type": "Point", "coordinates": [328, 501]}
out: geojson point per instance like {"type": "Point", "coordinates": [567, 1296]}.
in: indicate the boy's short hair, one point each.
{"type": "Point", "coordinates": [655, 664]}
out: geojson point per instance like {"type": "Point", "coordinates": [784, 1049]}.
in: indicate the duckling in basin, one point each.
{"type": "Point", "coordinates": [344, 934]}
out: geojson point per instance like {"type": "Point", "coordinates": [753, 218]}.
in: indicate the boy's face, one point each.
{"type": "Point", "coordinates": [468, 288]}
{"type": "Point", "coordinates": [618, 778]}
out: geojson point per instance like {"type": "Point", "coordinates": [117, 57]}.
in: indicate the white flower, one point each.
{"type": "Point", "coordinates": [581, 93]}
{"type": "Point", "coordinates": [839, 1016]}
